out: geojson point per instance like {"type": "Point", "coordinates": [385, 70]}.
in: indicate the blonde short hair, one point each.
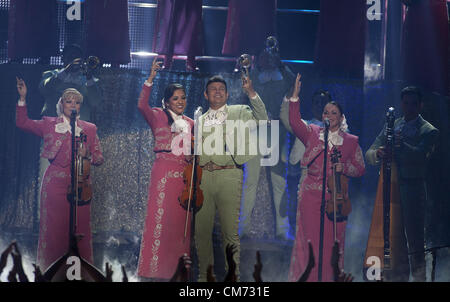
{"type": "Point", "coordinates": [69, 92]}
{"type": "Point", "coordinates": [72, 91]}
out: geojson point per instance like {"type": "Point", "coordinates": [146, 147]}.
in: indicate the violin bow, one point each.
{"type": "Point", "coordinates": [334, 202]}
{"type": "Point", "coordinates": [189, 198]}
{"type": "Point", "coordinates": [335, 160]}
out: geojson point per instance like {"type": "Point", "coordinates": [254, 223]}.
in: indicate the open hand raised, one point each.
{"type": "Point", "coordinates": [156, 65]}
{"type": "Point", "coordinates": [21, 88]}
{"type": "Point", "coordinates": [247, 85]}
{"type": "Point", "coordinates": [297, 86]}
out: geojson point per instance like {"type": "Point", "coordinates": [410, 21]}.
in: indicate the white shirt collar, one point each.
{"type": "Point", "coordinates": [334, 139]}
{"type": "Point", "coordinates": [64, 126]}
{"type": "Point", "coordinates": [65, 119]}
{"type": "Point", "coordinates": [174, 115]}
{"type": "Point", "coordinates": [179, 125]}
{"type": "Point", "coordinates": [216, 117]}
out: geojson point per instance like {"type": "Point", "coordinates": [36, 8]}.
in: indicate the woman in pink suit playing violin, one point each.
{"type": "Point", "coordinates": [54, 207]}
{"type": "Point", "coordinates": [163, 237]}
{"type": "Point", "coordinates": [350, 164]}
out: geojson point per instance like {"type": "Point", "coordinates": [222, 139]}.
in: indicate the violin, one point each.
{"type": "Point", "coordinates": [192, 177]}
{"type": "Point", "coordinates": [84, 170]}
{"type": "Point", "coordinates": [338, 207]}
{"type": "Point", "coordinates": [83, 187]}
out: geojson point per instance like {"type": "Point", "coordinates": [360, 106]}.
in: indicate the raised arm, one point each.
{"type": "Point", "coordinates": [284, 115]}
{"type": "Point", "coordinates": [144, 108]}
{"type": "Point", "coordinates": [257, 105]}
{"type": "Point", "coordinates": [22, 120]}
{"type": "Point", "coordinates": [48, 82]}
{"type": "Point", "coordinates": [53, 80]}
{"type": "Point", "coordinates": [299, 127]}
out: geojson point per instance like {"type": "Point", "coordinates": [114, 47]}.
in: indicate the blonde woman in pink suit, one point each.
{"type": "Point", "coordinates": [310, 194]}
{"type": "Point", "coordinates": [163, 240]}
{"type": "Point", "coordinates": [54, 207]}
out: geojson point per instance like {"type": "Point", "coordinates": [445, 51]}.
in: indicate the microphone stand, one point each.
{"type": "Point", "coordinates": [322, 205]}
{"type": "Point", "coordinates": [197, 115]}
{"type": "Point", "coordinates": [72, 197]}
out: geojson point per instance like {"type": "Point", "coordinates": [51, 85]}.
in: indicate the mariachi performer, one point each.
{"type": "Point", "coordinates": [54, 206]}
{"type": "Point", "coordinates": [311, 223]}
{"type": "Point", "coordinates": [222, 171]}
{"type": "Point", "coordinates": [413, 140]}
{"type": "Point", "coordinates": [164, 238]}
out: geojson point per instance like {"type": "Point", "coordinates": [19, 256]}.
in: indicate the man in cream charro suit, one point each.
{"type": "Point", "coordinates": [222, 167]}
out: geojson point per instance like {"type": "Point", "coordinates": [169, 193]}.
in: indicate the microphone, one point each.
{"type": "Point", "coordinates": [198, 112]}
{"type": "Point", "coordinates": [326, 122]}
{"type": "Point", "coordinates": [73, 114]}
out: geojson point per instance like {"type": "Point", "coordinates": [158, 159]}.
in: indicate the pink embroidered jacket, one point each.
{"type": "Point", "coordinates": [158, 121]}
{"type": "Point", "coordinates": [53, 141]}
{"type": "Point", "coordinates": [352, 158]}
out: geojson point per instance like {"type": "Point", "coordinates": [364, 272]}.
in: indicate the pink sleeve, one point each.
{"type": "Point", "coordinates": [23, 122]}
{"type": "Point", "coordinates": [300, 129]}
{"type": "Point", "coordinates": [149, 114]}
{"type": "Point", "coordinates": [354, 166]}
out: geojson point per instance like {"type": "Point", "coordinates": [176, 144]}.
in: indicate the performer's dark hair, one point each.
{"type": "Point", "coordinates": [168, 93]}
{"type": "Point", "coordinates": [411, 90]}
{"type": "Point", "coordinates": [214, 79]}
{"type": "Point", "coordinates": [337, 105]}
